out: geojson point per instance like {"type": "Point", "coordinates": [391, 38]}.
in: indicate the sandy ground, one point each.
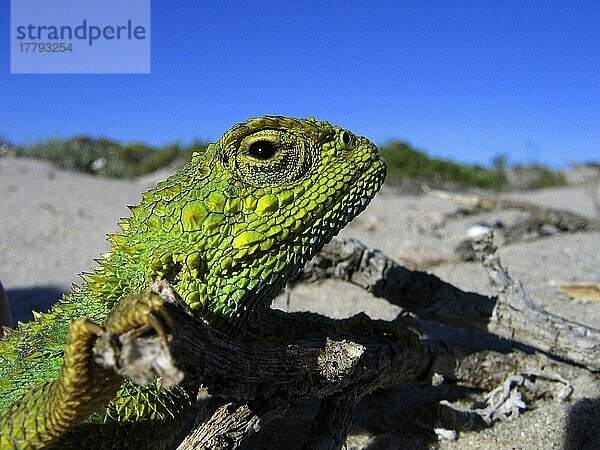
{"type": "Point", "coordinates": [53, 223]}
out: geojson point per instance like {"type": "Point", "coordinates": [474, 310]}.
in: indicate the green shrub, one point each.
{"type": "Point", "coordinates": [406, 162]}
{"type": "Point", "coordinates": [535, 176]}
{"type": "Point", "coordinates": [106, 157]}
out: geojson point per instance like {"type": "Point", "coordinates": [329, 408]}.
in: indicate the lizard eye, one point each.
{"type": "Point", "coordinates": [272, 157]}
{"type": "Point", "coordinates": [346, 138]}
{"type": "Point", "coordinates": [262, 150]}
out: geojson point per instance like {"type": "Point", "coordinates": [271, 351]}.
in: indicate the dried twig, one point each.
{"type": "Point", "coordinates": [517, 318]}
{"type": "Point", "coordinates": [511, 315]}
{"type": "Point", "coordinates": [503, 403]}
{"type": "Point", "coordinates": [330, 365]}
{"type": "Point", "coordinates": [540, 219]}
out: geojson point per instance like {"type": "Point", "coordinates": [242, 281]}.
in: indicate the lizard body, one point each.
{"type": "Point", "coordinates": [227, 231]}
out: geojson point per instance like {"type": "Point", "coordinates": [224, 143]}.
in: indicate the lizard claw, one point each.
{"type": "Point", "coordinates": [135, 316]}
{"type": "Point", "coordinates": [140, 313]}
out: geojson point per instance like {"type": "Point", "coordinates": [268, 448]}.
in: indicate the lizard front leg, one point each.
{"type": "Point", "coordinates": [43, 414]}
{"type": "Point", "coordinates": [47, 412]}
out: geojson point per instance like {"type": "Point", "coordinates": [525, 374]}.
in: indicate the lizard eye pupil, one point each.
{"type": "Point", "coordinates": [262, 149]}
{"type": "Point", "coordinates": [346, 138]}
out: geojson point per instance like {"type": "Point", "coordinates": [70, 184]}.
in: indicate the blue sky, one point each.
{"type": "Point", "coordinates": [461, 80]}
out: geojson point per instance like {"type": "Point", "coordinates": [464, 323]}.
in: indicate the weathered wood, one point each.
{"type": "Point", "coordinates": [288, 356]}
{"type": "Point", "coordinates": [224, 425]}
{"type": "Point", "coordinates": [534, 226]}
{"type": "Point", "coordinates": [511, 315]}
{"type": "Point", "coordinates": [517, 318]}
{"type": "Point", "coordinates": [327, 365]}
{"type": "Point", "coordinates": [421, 293]}
{"type": "Point", "coordinates": [332, 422]}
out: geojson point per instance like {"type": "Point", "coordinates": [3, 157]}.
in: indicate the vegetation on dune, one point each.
{"type": "Point", "coordinates": [108, 158]}
{"type": "Point", "coordinates": [535, 176]}
{"type": "Point", "coordinates": [405, 162]}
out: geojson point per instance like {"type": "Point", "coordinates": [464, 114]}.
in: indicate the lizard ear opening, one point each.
{"type": "Point", "coordinates": [346, 138]}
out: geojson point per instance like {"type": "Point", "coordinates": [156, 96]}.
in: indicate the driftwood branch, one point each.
{"type": "Point", "coordinates": [332, 421]}
{"type": "Point", "coordinates": [511, 314]}
{"type": "Point", "coordinates": [331, 365]}
{"type": "Point", "coordinates": [516, 317]}
{"type": "Point", "coordinates": [222, 424]}
{"type": "Point", "coordinates": [421, 293]}
{"type": "Point", "coordinates": [539, 222]}
{"type": "Point", "coordinates": [289, 356]}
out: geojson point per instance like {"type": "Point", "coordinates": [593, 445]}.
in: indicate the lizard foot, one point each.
{"type": "Point", "coordinates": [80, 382]}
{"type": "Point", "coordinates": [140, 312]}
{"type": "Point", "coordinates": [146, 315]}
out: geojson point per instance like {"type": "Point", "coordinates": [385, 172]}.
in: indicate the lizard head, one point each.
{"type": "Point", "coordinates": [247, 213]}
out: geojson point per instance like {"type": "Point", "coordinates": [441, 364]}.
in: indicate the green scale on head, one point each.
{"type": "Point", "coordinates": [245, 215]}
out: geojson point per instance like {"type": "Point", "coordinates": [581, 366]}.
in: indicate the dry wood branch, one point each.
{"type": "Point", "coordinates": [221, 424]}
{"type": "Point", "coordinates": [517, 318]}
{"type": "Point", "coordinates": [329, 365]}
{"type": "Point", "coordinates": [538, 222]}
{"type": "Point", "coordinates": [330, 426]}
{"type": "Point", "coordinates": [284, 357]}
{"type": "Point", "coordinates": [505, 402]}
{"type": "Point", "coordinates": [512, 315]}
{"type": "Point", "coordinates": [419, 292]}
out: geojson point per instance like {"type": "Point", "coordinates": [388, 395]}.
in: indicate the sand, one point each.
{"type": "Point", "coordinates": [54, 222]}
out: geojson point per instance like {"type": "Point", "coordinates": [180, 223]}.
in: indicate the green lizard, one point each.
{"type": "Point", "coordinates": [227, 231]}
